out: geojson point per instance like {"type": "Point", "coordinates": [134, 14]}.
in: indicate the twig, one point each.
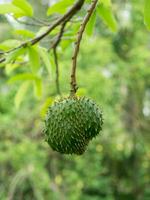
{"type": "Point", "coordinates": [35, 22]}
{"type": "Point", "coordinates": [27, 23]}
{"type": "Point", "coordinates": [59, 37]}
{"type": "Point", "coordinates": [40, 21]}
{"type": "Point", "coordinates": [69, 14]}
{"type": "Point", "coordinates": [57, 70]}
{"type": "Point", "coordinates": [73, 82]}
{"type": "Point", "coordinates": [54, 46]}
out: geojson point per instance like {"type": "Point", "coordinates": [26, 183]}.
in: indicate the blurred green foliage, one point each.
{"type": "Point", "coordinates": [113, 69]}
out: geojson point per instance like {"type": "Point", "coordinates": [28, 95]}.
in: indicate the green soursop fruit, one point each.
{"type": "Point", "coordinates": [71, 123]}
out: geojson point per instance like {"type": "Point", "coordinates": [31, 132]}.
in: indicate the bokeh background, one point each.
{"type": "Point", "coordinates": [114, 70]}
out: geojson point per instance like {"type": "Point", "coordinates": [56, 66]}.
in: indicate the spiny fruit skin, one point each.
{"type": "Point", "coordinates": [71, 123]}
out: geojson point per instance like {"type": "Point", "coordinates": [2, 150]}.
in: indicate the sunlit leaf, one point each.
{"type": "Point", "coordinates": [45, 106]}
{"type": "Point", "coordinates": [81, 92]}
{"type": "Point", "coordinates": [147, 13]}
{"type": "Point", "coordinates": [14, 54]}
{"type": "Point", "coordinates": [9, 44]}
{"type": "Point", "coordinates": [10, 67]}
{"type": "Point", "coordinates": [24, 5]}
{"type": "Point", "coordinates": [38, 87]}
{"type": "Point", "coordinates": [21, 93]}
{"type": "Point", "coordinates": [42, 30]}
{"type": "Point", "coordinates": [106, 2]}
{"type": "Point", "coordinates": [45, 57]}
{"type": "Point", "coordinates": [91, 24]}
{"type": "Point", "coordinates": [2, 64]}
{"type": "Point", "coordinates": [65, 43]}
{"type": "Point", "coordinates": [34, 58]}
{"type": "Point", "coordinates": [106, 14]}
{"type": "Point", "coordinates": [10, 8]}
{"type": "Point", "coordinates": [24, 33]}
{"type": "Point", "coordinates": [22, 77]}
{"type": "Point", "coordinates": [60, 7]}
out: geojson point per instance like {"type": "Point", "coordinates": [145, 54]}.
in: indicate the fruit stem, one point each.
{"type": "Point", "coordinates": [73, 82]}
{"type": "Point", "coordinates": [57, 71]}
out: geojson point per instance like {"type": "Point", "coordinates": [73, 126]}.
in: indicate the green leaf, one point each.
{"type": "Point", "coordinates": [49, 101]}
{"type": "Point", "coordinates": [22, 77]}
{"type": "Point", "coordinates": [25, 6]}
{"type": "Point", "coordinates": [60, 7]}
{"type": "Point", "coordinates": [42, 30]}
{"type": "Point", "coordinates": [10, 67]}
{"type": "Point", "coordinates": [24, 33]}
{"type": "Point", "coordinates": [147, 13]}
{"type": "Point", "coordinates": [37, 83]}
{"type": "Point", "coordinates": [81, 92]}
{"type": "Point", "coordinates": [2, 64]}
{"type": "Point", "coordinates": [10, 8]}
{"type": "Point", "coordinates": [106, 14]}
{"type": "Point", "coordinates": [9, 44]}
{"type": "Point", "coordinates": [91, 24]}
{"type": "Point", "coordinates": [106, 2]}
{"type": "Point", "coordinates": [34, 58]}
{"type": "Point", "coordinates": [14, 54]}
{"type": "Point", "coordinates": [21, 93]}
{"type": "Point", "coordinates": [45, 57]}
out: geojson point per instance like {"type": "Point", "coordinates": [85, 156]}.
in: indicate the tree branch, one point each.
{"type": "Point", "coordinates": [54, 46]}
{"type": "Point", "coordinates": [27, 23]}
{"type": "Point", "coordinates": [73, 83]}
{"type": "Point", "coordinates": [58, 39]}
{"type": "Point", "coordinates": [71, 12]}
{"type": "Point", "coordinates": [66, 17]}
{"type": "Point", "coordinates": [57, 71]}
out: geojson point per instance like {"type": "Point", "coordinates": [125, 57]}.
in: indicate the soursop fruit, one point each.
{"type": "Point", "coordinates": [71, 123]}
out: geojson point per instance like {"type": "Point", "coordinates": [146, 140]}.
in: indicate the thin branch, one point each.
{"type": "Point", "coordinates": [69, 14]}
{"type": "Point", "coordinates": [40, 21]}
{"type": "Point", "coordinates": [35, 21]}
{"type": "Point", "coordinates": [54, 46]}
{"type": "Point", "coordinates": [73, 83]}
{"type": "Point", "coordinates": [59, 37]}
{"type": "Point", "coordinates": [27, 23]}
{"type": "Point", "coordinates": [57, 70]}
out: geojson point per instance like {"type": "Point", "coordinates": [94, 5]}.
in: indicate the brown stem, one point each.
{"type": "Point", "coordinates": [58, 39]}
{"type": "Point", "coordinates": [73, 82]}
{"type": "Point", "coordinates": [54, 46]}
{"type": "Point", "coordinates": [57, 71]}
